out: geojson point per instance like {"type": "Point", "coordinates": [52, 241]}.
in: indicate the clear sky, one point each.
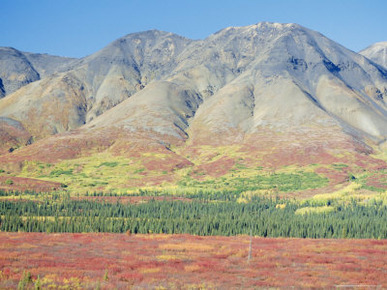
{"type": "Point", "coordinates": [78, 28]}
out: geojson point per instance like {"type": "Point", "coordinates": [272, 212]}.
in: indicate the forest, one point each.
{"type": "Point", "coordinates": [204, 213]}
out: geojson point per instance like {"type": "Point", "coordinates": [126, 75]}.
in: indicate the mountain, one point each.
{"type": "Point", "coordinates": [377, 53]}
{"type": "Point", "coordinates": [267, 95]}
{"type": "Point", "coordinates": [94, 84]}
{"type": "Point", "coordinates": [18, 69]}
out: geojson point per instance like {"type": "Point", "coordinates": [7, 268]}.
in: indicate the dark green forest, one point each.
{"type": "Point", "coordinates": [207, 214]}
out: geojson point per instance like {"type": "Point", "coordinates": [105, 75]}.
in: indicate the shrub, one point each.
{"type": "Point", "coordinates": [109, 164]}
{"type": "Point", "coordinates": [38, 284]}
{"type": "Point", "coordinates": [25, 279]}
{"type": "Point", "coordinates": [56, 173]}
{"type": "Point", "coordinates": [106, 276]}
{"type": "Point", "coordinates": [9, 182]}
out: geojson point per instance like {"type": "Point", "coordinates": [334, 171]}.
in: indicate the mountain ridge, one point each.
{"type": "Point", "coordinates": [275, 91]}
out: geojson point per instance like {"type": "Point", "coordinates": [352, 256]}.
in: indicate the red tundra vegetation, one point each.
{"type": "Point", "coordinates": [122, 260]}
{"type": "Point", "coordinates": [23, 183]}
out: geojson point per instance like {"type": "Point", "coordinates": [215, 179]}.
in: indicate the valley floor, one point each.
{"type": "Point", "coordinates": [186, 261]}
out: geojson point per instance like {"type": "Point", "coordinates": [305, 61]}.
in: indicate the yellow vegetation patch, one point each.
{"type": "Point", "coordinates": [213, 153]}
{"type": "Point", "coordinates": [27, 246]}
{"type": "Point", "coordinates": [319, 209]}
{"type": "Point", "coordinates": [149, 270]}
{"type": "Point", "coordinates": [200, 286]}
{"type": "Point", "coordinates": [186, 247]}
{"type": "Point", "coordinates": [99, 172]}
{"type": "Point", "coordinates": [73, 281]}
{"type": "Point", "coordinates": [280, 205]}
{"type": "Point", "coordinates": [380, 155]}
{"type": "Point", "coordinates": [245, 197]}
{"type": "Point", "coordinates": [19, 197]}
{"type": "Point", "coordinates": [349, 189]}
{"type": "Point", "coordinates": [155, 155]}
{"type": "Point", "coordinates": [169, 257]}
{"type": "Point", "coordinates": [240, 254]}
{"type": "Point", "coordinates": [346, 194]}
{"type": "Point", "coordinates": [192, 268]}
{"type": "Point", "coordinates": [153, 236]}
{"type": "Point", "coordinates": [49, 279]}
{"type": "Point", "coordinates": [242, 200]}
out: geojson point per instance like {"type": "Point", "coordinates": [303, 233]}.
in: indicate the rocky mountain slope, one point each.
{"type": "Point", "coordinates": [377, 53]}
{"type": "Point", "coordinates": [18, 69]}
{"type": "Point", "coordinates": [94, 84]}
{"type": "Point", "coordinates": [276, 94]}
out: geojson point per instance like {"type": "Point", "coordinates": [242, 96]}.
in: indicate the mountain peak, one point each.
{"type": "Point", "coordinates": [377, 45]}
{"type": "Point", "coordinates": [261, 27]}
{"type": "Point", "coordinates": [152, 33]}
{"type": "Point", "coordinates": [276, 25]}
{"type": "Point", "coordinates": [377, 52]}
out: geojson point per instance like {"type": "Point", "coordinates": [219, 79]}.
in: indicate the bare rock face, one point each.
{"type": "Point", "coordinates": [262, 86]}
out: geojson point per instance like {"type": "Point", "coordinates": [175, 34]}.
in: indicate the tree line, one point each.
{"type": "Point", "coordinates": [261, 216]}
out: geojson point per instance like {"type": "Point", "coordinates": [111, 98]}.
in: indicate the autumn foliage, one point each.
{"type": "Point", "coordinates": [121, 260]}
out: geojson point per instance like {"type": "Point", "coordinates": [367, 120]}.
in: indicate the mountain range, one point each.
{"type": "Point", "coordinates": [267, 95]}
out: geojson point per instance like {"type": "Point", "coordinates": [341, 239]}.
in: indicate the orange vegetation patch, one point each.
{"type": "Point", "coordinates": [378, 180]}
{"type": "Point", "coordinates": [53, 149]}
{"type": "Point", "coordinates": [22, 184]}
{"type": "Point", "coordinates": [308, 147]}
{"type": "Point", "coordinates": [168, 163]}
{"type": "Point", "coordinates": [217, 168]}
{"type": "Point", "coordinates": [175, 261]}
{"type": "Point", "coordinates": [334, 176]}
{"type": "Point", "coordinates": [130, 199]}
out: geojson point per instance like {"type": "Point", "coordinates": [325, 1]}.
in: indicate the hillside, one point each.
{"type": "Point", "coordinates": [164, 110]}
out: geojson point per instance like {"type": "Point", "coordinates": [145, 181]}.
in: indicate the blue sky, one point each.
{"type": "Point", "coordinates": [78, 28]}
